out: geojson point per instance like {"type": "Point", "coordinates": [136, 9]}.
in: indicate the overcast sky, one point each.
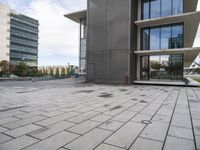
{"type": "Point", "coordinates": [58, 36]}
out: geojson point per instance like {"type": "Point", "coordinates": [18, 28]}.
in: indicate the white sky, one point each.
{"type": "Point", "coordinates": [58, 36]}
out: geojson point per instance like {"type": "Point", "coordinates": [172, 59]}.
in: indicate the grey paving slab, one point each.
{"type": "Point", "coordinates": [31, 114]}
{"type": "Point", "coordinates": [181, 120]}
{"type": "Point", "coordinates": [196, 125]}
{"type": "Point", "coordinates": [54, 113]}
{"type": "Point", "coordinates": [101, 118]}
{"type": "Point", "coordinates": [155, 131]}
{"type": "Point", "coordinates": [174, 143]}
{"type": "Point", "coordinates": [181, 132]}
{"type": "Point", "coordinates": [23, 122]}
{"type": "Point", "coordinates": [162, 118]}
{"type": "Point", "coordinates": [124, 116]}
{"type": "Point", "coordinates": [146, 144]}
{"type": "Point", "coordinates": [18, 143]}
{"type": "Point", "coordinates": [141, 117]}
{"type": "Point", "coordinates": [84, 116]}
{"type": "Point", "coordinates": [51, 130]}
{"type": "Point", "coordinates": [54, 142]}
{"type": "Point", "coordinates": [83, 127]}
{"type": "Point", "coordinates": [107, 147]}
{"type": "Point", "coordinates": [49, 104]}
{"type": "Point", "coordinates": [198, 142]}
{"type": "Point", "coordinates": [55, 119]}
{"type": "Point", "coordinates": [2, 129]}
{"type": "Point", "coordinates": [4, 138]}
{"type": "Point", "coordinates": [111, 125]}
{"type": "Point", "coordinates": [22, 130]}
{"type": "Point", "coordinates": [90, 140]}
{"type": "Point", "coordinates": [125, 136]}
{"type": "Point", "coordinates": [7, 120]}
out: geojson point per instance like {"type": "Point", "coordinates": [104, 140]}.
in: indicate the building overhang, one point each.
{"type": "Point", "coordinates": [190, 54]}
{"type": "Point", "coordinates": [76, 16]}
{"type": "Point", "coordinates": [191, 16]}
{"type": "Point", "coordinates": [191, 23]}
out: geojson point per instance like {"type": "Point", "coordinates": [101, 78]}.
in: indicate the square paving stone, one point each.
{"type": "Point", "coordinates": [107, 147]}
{"type": "Point", "coordinates": [125, 136]}
{"type": "Point", "coordinates": [174, 143]}
{"type": "Point", "coordinates": [155, 131]}
{"type": "Point", "coordinates": [54, 142]}
{"type": "Point", "coordinates": [84, 127]}
{"type": "Point", "coordinates": [181, 132]}
{"type": "Point", "coordinates": [18, 143]}
{"type": "Point", "coordinates": [51, 130]}
{"type": "Point", "coordinates": [22, 130]}
{"type": "Point", "coordinates": [146, 144]}
{"type": "Point", "coordinates": [111, 125]}
{"type": "Point", "coordinates": [101, 118]}
{"type": "Point", "coordinates": [124, 116]}
{"type": "Point", "coordinates": [89, 140]}
{"type": "Point", "coordinates": [4, 138]}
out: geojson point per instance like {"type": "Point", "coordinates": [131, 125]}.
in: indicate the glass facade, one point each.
{"type": "Point", "coordinates": [23, 40]}
{"type": "Point", "coordinates": [162, 37]}
{"type": "Point", "coordinates": [162, 67]}
{"type": "Point", "coordinates": [82, 55]}
{"type": "Point", "coordinates": [160, 8]}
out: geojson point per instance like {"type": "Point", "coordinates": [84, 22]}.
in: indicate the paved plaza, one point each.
{"type": "Point", "coordinates": [69, 115]}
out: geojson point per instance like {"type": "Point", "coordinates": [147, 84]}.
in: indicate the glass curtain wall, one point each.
{"type": "Point", "coordinates": [162, 67]}
{"type": "Point", "coordinates": [160, 8]}
{"type": "Point", "coordinates": [162, 37]}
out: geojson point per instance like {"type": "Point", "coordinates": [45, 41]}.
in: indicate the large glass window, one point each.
{"type": "Point", "coordinates": [145, 9]}
{"type": "Point", "coordinates": [155, 66]}
{"type": "Point", "coordinates": [165, 38]}
{"type": "Point", "coordinates": [155, 39]}
{"type": "Point", "coordinates": [162, 67]}
{"type": "Point", "coordinates": [166, 7]}
{"type": "Point", "coordinates": [162, 37]}
{"type": "Point", "coordinates": [177, 37]}
{"type": "Point", "coordinates": [145, 68]}
{"type": "Point", "coordinates": [145, 39]}
{"type": "Point", "coordinates": [159, 8]}
{"type": "Point", "coordinates": [155, 8]}
{"type": "Point", "coordinates": [177, 7]}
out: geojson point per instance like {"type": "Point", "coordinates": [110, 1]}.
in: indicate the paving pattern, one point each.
{"type": "Point", "coordinates": [69, 115]}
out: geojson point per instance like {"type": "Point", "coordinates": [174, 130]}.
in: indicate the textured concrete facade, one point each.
{"type": "Point", "coordinates": [5, 32]}
{"type": "Point", "coordinates": [114, 50]}
{"type": "Point", "coordinates": [109, 44]}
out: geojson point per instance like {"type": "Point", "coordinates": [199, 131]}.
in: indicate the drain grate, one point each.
{"type": "Point", "coordinates": [146, 122]}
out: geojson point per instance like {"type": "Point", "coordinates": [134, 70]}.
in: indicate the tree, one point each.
{"type": "Point", "coordinates": [4, 68]}
{"type": "Point", "coordinates": [21, 69]}
{"type": "Point", "coordinates": [57, 72]}
{"type": "Point", "coordinates": [63, 70]}
{"type": "Point", "coordinates": [51, 71]}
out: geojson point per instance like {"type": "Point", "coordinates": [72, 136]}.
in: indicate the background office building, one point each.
{"type": "Point", "coordinates": [19, 37]}
{"type": "Point", "coordinates": [143, 39]}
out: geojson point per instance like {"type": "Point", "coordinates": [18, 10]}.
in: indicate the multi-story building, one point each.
{"type": "Point", "coordinates": [80, 17]}
{"type": "Point", "coordinates": [19, 37]}
{"type": "Point", "coordinates": [143, 40]}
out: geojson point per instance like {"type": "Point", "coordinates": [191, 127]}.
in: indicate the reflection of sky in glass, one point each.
{"type": "Point", "coordinates": [165, 37]}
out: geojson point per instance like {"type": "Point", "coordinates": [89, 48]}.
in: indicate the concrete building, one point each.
{"type": "Point", "coordinates": [144, 40]}
{"type": "Point", "coordinates": [19, 37]}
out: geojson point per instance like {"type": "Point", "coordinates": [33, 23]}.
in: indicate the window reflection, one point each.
{"type": "Point", "coordinates": [162, 67]}
{"type": "Point", "coordinates": [162, 37]}
{"type": "Point", "coordinates": [160, 8]}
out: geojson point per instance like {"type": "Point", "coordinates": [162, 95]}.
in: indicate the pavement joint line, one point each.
{"type": "Point", "coordinates": [191, 119]}
{"type": "Point", "coordinates": [154, 99]}
{"type": "Point", "coordinates": [171, 119]}
{"type": "Point", "coordinates": [168, 94]}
